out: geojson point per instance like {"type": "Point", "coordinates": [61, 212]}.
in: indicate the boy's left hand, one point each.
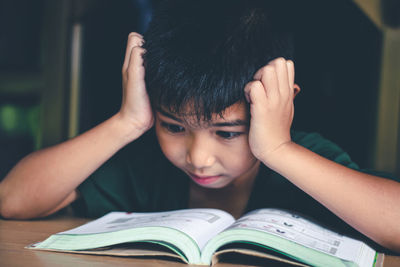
{"type": "Point", "coordinates": [271, 95]}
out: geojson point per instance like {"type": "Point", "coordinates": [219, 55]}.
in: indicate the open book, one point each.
{"type": "Point", "coordinates": [202, 236]}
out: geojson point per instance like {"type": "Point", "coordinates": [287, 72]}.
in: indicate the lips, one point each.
{"type": "Point", "coordinates": [204, 180]}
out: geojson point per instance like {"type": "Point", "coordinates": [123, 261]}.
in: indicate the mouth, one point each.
{"type": "Point", "coordinates": [204, 180]}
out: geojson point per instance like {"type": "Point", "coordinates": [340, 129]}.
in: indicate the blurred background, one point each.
{"type": "Point", "coordinates": [60, 63]}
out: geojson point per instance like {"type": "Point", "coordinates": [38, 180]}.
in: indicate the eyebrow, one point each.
{"type": "Point", "coordinates": [169, 115]}
{"type": "Point", "coordinates": [237, 122]}
{"type": "Point", "coordinates": [230, 123]}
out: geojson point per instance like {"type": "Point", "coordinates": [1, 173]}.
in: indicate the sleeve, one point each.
{"type": "Point", "coordinates": [118, 184]}
{"type": "Point", "coordinates": [105, 190]}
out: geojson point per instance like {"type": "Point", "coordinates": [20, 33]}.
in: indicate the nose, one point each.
{"type": "Point", "coordinates": [200, 152]}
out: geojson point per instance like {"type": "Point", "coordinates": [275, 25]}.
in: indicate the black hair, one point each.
{"type": "Point", "coordinates": [201, 53]}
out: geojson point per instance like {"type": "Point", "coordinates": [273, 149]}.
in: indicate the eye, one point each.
{"type": "Point", "coordinates": [228, 135]}
{"type": "Point", "coordinates": [173, 128]}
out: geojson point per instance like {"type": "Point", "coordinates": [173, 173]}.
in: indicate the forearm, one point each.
{"type": "Point", "coordinates": [45, 179]}
{"type": "Point", "coordinates": [368, 203]}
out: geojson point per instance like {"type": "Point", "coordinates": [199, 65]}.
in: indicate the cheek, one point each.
{"type": "Point", "coordinates": [239, 158]}
{"type": "Point", "coordinates": [170, 147]}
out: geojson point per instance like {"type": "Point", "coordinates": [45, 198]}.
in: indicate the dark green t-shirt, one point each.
{"type": "Point", "coordinates": [139, 178]}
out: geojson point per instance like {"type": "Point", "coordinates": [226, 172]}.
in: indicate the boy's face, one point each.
{"type": "Point", "coordinates": [213, 154]}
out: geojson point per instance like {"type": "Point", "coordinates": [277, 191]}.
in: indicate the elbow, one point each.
{"type": "Point", "coordinates": [392, 241]}
{"type": "Point", "coordinates": [394, 244]}
{"type": "Point", "coordinates": [9, 208]}
{"type": "Point", "coordinates": [6, 212]}
{"type": "Point", "coordinates": [395, 240]}
{"type": "Point", "coordinates": [13, 212]}
{"type": "Point", "coordinates": [14, 204]}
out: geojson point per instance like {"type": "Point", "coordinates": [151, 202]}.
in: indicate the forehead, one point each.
{"type": "Point", "coordinates": [238, 112]}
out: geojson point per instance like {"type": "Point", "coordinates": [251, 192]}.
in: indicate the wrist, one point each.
{"type": "Point", "coordinates": [273, 159]}
{"type": "Point", "coordinates": [126, 129]}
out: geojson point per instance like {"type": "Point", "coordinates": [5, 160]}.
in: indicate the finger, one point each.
{"type": "Point", "coordinates": [282, 74]}
{"type": "Point", "coordinates": [255, 95]}
{"type": "Point", "coordinates": [268, 77]}
{"type": "Point", "coordinates": [134, 39]}
{"type": "Point", "coordinates": [290, 69]}
{"type": "Point", "coordinates": [247, 89]}
{"type": "Point", "coordinates": [135, 69]}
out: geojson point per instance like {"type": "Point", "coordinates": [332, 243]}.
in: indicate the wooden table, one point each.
{"type": "Point", "coordinates": [15, 235]}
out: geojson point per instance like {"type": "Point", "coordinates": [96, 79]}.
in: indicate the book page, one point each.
{"type": "Point", "coordinates": [200, 224]}
{"type": "Point", "coordinates": [299, 230]}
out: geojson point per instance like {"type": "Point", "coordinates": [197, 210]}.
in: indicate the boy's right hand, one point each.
{"type": "Point", "coordinates": [135, 109]}
{"type": "Point", "coordinates": [47, 180]}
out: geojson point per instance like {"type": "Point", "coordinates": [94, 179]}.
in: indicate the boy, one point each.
{"type": "Point", "coordinates": [222, 119]}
